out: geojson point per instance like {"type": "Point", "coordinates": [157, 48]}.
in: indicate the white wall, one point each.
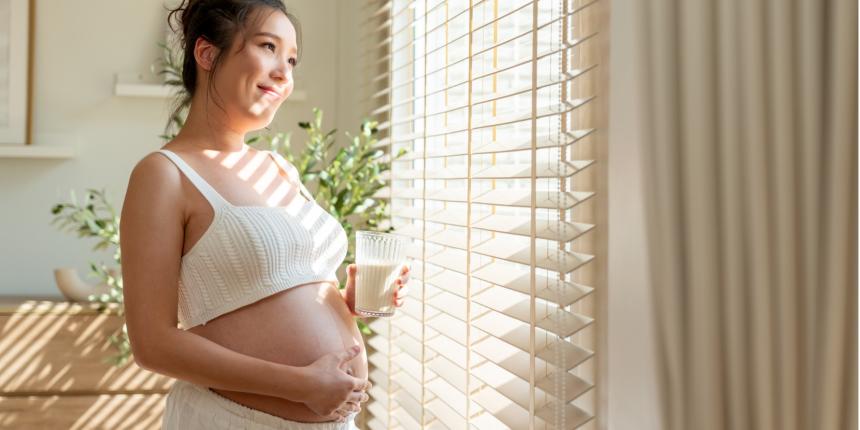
{"type": "Point", "coordinates": [78, 48]}
{"type": "Point", "coordinates": [632, 365]}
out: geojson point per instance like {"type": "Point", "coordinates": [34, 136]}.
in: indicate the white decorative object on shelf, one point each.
{"type": "Point", "coordinates": [74, 288]}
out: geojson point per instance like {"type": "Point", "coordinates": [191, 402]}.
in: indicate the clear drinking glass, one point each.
{"type": "Point", "coordinates": [378, 259]}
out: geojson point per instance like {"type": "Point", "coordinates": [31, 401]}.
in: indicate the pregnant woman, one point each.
{"type": "Point", "coordinates": [228, 263]}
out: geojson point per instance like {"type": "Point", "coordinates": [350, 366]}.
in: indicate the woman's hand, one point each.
{"type": "Point", "coordinates": [333, 392]}
{"type": "Point", "coordinates": [399, 285]}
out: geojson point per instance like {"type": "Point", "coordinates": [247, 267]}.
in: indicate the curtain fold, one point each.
{"type": "Point", "coordinates": [750, 172]}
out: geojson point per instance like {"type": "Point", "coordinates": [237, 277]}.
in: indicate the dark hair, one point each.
{"type": "Point", "coordinates": [217, 21]}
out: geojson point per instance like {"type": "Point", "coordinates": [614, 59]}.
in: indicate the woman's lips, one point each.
{"type": "Point", "coordinates": [269, 91]}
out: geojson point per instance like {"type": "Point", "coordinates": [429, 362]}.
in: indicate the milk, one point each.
{"type": "Point", "coordinates": [374, 287]}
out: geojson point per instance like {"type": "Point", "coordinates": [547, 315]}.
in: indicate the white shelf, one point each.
{"type": "Point", "coordinates": [142, 90]}
{"type": "Point", "coordinates": [37, 151]}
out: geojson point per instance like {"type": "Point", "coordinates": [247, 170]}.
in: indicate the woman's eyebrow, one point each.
{"type": "Point", "coordinates": [274, 36]}
{"type": "Point", "coordinates": [266, 33]}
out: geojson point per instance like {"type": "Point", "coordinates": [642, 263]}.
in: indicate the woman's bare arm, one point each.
{"type": "Point", "coordinates": [151, 236]}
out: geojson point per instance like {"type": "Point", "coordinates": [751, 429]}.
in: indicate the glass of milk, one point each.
{"type": "Point", "coordinates": [378, 259]}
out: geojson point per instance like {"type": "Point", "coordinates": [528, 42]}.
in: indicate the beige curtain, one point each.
{"type": "Point", "coordinates": [750, 177]}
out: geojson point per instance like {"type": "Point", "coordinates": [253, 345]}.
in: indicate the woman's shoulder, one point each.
{"type": "Point", "coordinates": [155, 177]}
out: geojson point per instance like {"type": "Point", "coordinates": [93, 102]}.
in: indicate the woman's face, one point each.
{"type": "Point", "coordinates": [254, 79]}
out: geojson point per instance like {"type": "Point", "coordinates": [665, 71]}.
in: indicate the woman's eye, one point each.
{"type": "Point", "coordinates": [292, 62]}
{"type": "Point", "coordinates": [270, 44]}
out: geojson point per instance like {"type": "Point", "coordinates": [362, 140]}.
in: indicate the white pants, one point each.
{"type": "Point", "coordinates": [192, 407]}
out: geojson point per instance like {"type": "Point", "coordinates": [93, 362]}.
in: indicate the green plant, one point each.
{"type": "Point", "coordinates": [97, 218]}
{"type": "Point", "coordinates": [170, 67]}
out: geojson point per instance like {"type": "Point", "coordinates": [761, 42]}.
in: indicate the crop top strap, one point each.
{"type": "Point", "coordinates": [214, 198]}
{"type": "Point", "coordinates": [293, 172]}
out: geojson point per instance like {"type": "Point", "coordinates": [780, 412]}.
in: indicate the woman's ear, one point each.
{"type": "Point", "coordinates": [204, 53]}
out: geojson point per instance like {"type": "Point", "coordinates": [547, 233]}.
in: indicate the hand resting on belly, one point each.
{"type": "Point", "coordinates": [297, 327]}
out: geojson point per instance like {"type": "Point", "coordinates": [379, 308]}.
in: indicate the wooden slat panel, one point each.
{"type": "Point", "coordinates": [106, 411]}
{"type": "Point", "coordinates": [43, 351]}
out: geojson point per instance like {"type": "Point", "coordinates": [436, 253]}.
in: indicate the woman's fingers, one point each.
{"type": "Point", "coordinates": [361, 385]}
{"type": "Point", "coordinates": [400, 294]}
{"type": "Point", "coordinates": [345, 410]}
{"type": "Point", "coordinates": [358, 397]}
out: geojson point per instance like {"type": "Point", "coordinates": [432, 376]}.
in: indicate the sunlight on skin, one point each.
{"type": "Point", "coordinates": [264, 104]}
{"type": "Point", "coordinates": [265, 181]}
{"type": "Point", "coordinates": [231, 160]}
{"type": "Point", "coordinates": [252, 166]}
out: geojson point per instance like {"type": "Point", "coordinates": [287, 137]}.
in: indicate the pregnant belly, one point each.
{"type": "Point", "coordinates": [293, 327]}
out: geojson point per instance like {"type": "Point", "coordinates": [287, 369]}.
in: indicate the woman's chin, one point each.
{"type": "Point", "coordinates": [260, 122]}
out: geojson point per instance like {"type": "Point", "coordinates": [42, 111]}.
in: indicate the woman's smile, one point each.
{"type": "Point", "coordinates": [269, 92]}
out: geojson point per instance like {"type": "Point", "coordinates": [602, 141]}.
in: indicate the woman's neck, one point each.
{"type": "Point", "coordinates": [213, 135]}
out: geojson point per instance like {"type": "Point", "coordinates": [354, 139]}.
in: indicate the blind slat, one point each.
{"type": "Point", "coordinates": [450, 281]}
{"type": "Point", "coordinates": [560, 322]}
{"type": "Point", "coordinates": [408, 344]}
{"type": "Point", "coordinates": [457, 149]}
{"type": "Point", "coordinates": [574, 416]}
{"type": "Point", "coordinates": [404, 420]}
{"type": "Point", "coordinates": [406, 384]}
{"type": "Point", "coordinates": [409, 404]}
{"type": "Point", "coordinates": [379, 378]}
{"type": "Point", "coordinates": [512, 249]}
{"type": "Point", "coordinates": [501, 197]}
{"type": "Point", "coordinates": [545, 169]}
{"type": "Point", "coordinates": [452, 398]}
{"type": "Point", "coordinates": [446, 416]}
{"type": "Point", "coordinates": [450, 372]}
{"type": "Point", "coordinates": [378, 395]}
{"type": "Point", "coordinates": [449, 259]}
{"type": "Point", "coordinates": [377, 410]}
{"type": "Point", "coordinates": [511, 357]}
{"type": "Point", "coordinates": [448, 303]}
{"type": "Point", "coordinates": [504, 275]}
{"type": "Point", "coordinates": [516, 334]}
{"type": "Point", "coordinates": [380, 360]}
{"type": "Point", "coordinates": [510, 414]}
{"type": "Point", "coordinates": [517, 225]}
{"type": "Point", "coordinates": [375, 424]}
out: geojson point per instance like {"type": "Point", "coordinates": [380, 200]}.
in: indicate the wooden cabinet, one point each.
{"type": "Point", "coordinates": [53, 373]}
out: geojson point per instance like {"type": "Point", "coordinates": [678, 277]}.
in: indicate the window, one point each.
{"type": "Point", "coordinates": [498, 106]}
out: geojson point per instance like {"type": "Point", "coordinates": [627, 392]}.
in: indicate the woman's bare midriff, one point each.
{"type": "Point", "coordinates": [293, 327]}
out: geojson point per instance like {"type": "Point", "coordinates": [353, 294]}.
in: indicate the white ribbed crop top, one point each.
{"type": "Point", "coordinates": [251, 252]}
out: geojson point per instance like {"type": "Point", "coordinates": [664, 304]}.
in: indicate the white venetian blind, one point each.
{"type": "Point", "coordinates": [498, 105]}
